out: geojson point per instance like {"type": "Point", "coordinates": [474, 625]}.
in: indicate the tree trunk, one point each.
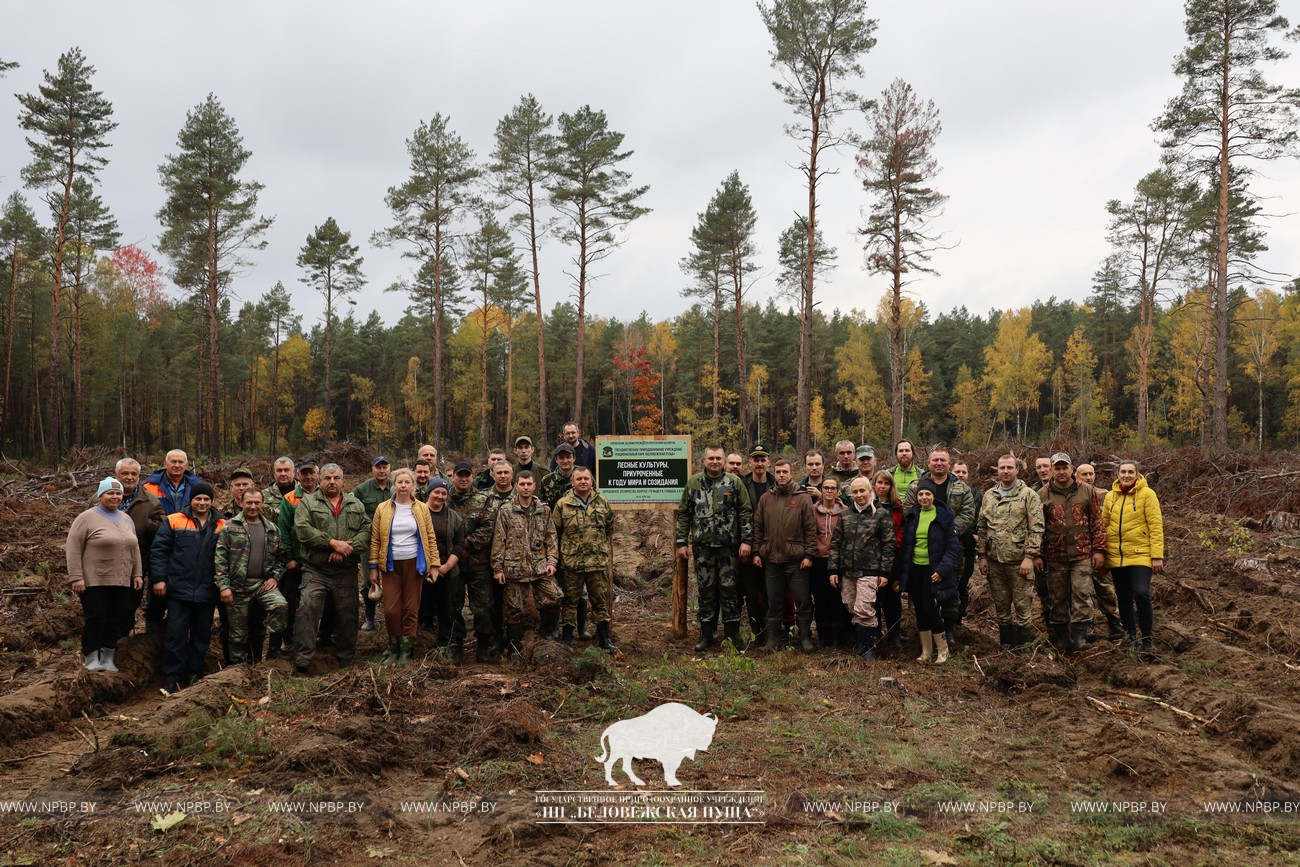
{"type": "Point", "coordinates": [437, 328]}
{"type": "Point", "coordinates": [9, 340]}
{"type": "Point", "coordinates": [717, 345]}
{"type": "Point", "coordinates": [329, 349]}
{"type": "Point", "coordinates": [78, 396]}
{"type": "Point", "coordinates": [896, 341]}
{"type": "Point", "coordinates": [510, 374]}
{"type": "Point", "coordinates": [582, 316]}
{"type": "Point", "coordinates": [275, 390]}
{"type": "Point", "coordinates": [541, 330]}
{"type": "Point", "coordinates": [803, 401]}
{"type": "Point", "coordinates": [742, 373]}
{"type": "Point", "coordinates": [483, 359]}
{"type": "Point", "coordinates": [1219, 413]}
{"type": "Point", "coordinates": [56, 390]}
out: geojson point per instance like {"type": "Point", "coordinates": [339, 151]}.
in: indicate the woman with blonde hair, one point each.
{"type": "Point", "coordinates": [403, 554]}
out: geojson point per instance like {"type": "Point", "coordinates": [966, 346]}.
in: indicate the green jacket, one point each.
{"type": "Point", "coordinates": [715, 512]}
{"type": "Point", "coordinates": [862, 543]}
{"type": "Point", "coordinates": [524, 542]}
{"type": "Point", "coordinates": [961, 500]}
{"type": "Point", "coordinates": [555, 486]}
{"type": "Point", "coordinates": [284, 522]}
{"type": "Point", "coordinates": [584, 532]}
{"type": "Point", "coordinates": [232, 556]}
{"type": "Point", "coordinates": [1011, 526]}
{"type": "Point", "coordinates": [315, 523]}
{"type": "Point", "coordinates": [371, 495]}
{"type": "Point", "coordinates": [480, 520]}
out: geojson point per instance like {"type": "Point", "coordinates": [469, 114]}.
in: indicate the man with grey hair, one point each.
{"type": "Point", "coordinates": [282, 482]}
{"type": "Point", "coordinates": [171, 485]}
{"type": "Point", "coordinates": [147, 514]}
{"type": "Point", "coordinates": [845, 467]}
{"type": "Point", "coordinates": [333, 535]}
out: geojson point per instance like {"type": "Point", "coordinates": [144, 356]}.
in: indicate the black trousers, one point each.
{"type": "Point", "coordinates": [105, 610]}
{"type": "Point", "coordinates": [189, 632]}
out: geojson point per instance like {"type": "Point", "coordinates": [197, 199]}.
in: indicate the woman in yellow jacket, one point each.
{"type": "Point", "coordinates": [403, 552]}
{"type": "Point", "coordinates": [1135, 548]}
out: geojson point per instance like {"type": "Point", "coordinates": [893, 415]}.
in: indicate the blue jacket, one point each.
{"type": "Point", "coordinates": [184, 555]}
{"type": "Point", "coordinates": [945, 549]}
{"type": "Point", "coordinates": [172, 499]}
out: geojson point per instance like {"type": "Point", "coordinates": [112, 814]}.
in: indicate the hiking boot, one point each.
{"type": "Point", "coordinates": [106, 658]}
{"type": "Point", "coordinates": [567, 636]}
{"type": "Point", "coordinates": [607, 643]}
{"type": "Point", "coordinates": [1115, 629]}
{"type": "Point", "coordinates": [730, 632]}
{"type": "Point", "coordinates": [1147, 646]}
{"type": "Point", "coordinates": [706, 637]}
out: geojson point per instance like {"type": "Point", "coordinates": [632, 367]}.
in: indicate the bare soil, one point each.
{"type": "Point", "coordinates": [992, 758]}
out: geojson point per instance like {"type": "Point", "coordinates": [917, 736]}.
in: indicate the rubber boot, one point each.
{"type": "Point", "coordinates": [106, 658]}
{"type": "Point", "coordinates": [860, 636]}
{"type": "Point", "coordinates": [773, 636]}
{"type": "Point", "coordinates": [948, 637]}
{"type": "Point", "coordinates": [895, 641]}
{"type": "Point", "coordinates": [706, 637]}
{"type": "Point", "coordinates": [92, 661]}
{"type": "Point", "coordinates": [567, 636]}
{"type": "Point", "coordinates": [1006, 636]}
{"type": "Point", "coordinates": [549, 626]}
{"type": "Point", "coordinates": [607, 642]}
{"type": "Point", "coordinates": [927, 646]}
{"type": "Point", "coordinates": [1147, 648]}
{"type": "Point", "coordinates": [1078, 636]}
{"type": "Point", "coordinates": [274, 647]}
{"type": "Point", "coordinates": [391, 654]}
{"type": "Point", "coordinates": [370, 615]}
{"type": "Point", "coordinates": [515, 640]}
{"type": "Point", "coordinates": [940, 649]}
{"type": "Point", "coordinates": [583, 634]}
{"type": "Point", "coordinates": [1024, 635]}
{"type": "Point", "coordinates": [482, 648]}
{"type": "Point", "coordinates": [872, 637]}
{"type": "Point", "coordinates": [730, 632]}
{"type": "Point", "coordinates": [1059, 635]}
{"type": "Point", "coordinates": [1115, 628]}
{"type": "Point", "coordinates": [805, 635]}
{"type": "Point", "coordinates": [405, 647]}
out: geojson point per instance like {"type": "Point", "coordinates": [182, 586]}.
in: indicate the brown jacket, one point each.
{"type": "Point", "coordinates": [1073, 525]}
{"type": "Point", "coordinates": [785, 525]}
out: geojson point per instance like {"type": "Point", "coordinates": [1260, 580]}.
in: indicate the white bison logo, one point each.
{"type": "Point", "coordinates": [668, 734]}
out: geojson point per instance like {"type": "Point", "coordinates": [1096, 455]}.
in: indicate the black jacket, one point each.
{"type": "Point", "coordinates": [184, 555]}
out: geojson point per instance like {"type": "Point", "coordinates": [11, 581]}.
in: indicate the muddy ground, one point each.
{"type": "Point", "coordinates": [992, 758]}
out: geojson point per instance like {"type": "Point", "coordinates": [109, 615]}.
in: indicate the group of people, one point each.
{"type": "Point", "coordinates": [288, 567]}
{"type": "Point", "coordinates": [844, 544]}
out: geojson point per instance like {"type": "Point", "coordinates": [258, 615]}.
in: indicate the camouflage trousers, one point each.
{"type": "Point", "coordinates": [544, 592]}
{"type": "Point", "coordinates": [1069, 586]}
{"type": "Point", "coordinates": [1103, 586]}
{"type": "Point", "coordinates": [272, 603]}
{"type": "Point", "coordinates": [486, 599]}
{"type": "Point", "coordinates": [318, 590]}
{"type": "Point", "coordinates": [597, 587]}
{"type": "Point", "coordinates": [1013, 595]}
{"type": "Point", "coordinates": [859, 596]}
{"type": "Point", "coordinates": [716, 570]}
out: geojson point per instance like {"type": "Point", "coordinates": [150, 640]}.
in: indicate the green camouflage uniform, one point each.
{"type": "Point", "coordinates": [480, 520]}
{"type": "Point", "coordinates": [523, 545]}
{"type": "Point", "coordinates": [715, 518]}
{"type": "Point", "coordinates": [233, 545]}
{"type": "Point", "coordinates": [315, 523]}
{"type": "Point", "coordinates": [862, 551]}
{"type": "Point", "coordinates": [554, 486]}
{"type": "Point", "coordinates": [584, 536]}
{"type": "Point", "coordinates": [1010, 529]}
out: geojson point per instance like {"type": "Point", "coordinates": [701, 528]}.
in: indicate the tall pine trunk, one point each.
{"type": "Point", "coordinates": [742, 372]}
{"type": "Point", "coordinates": [541, 331]}
{"type": "Point", "coordinates": [582, 318]}
{"type": "Point", "coordinates": [1219, 413]}
{"type": "Point", "coordinates": [803, 401]}
{"type": "Point", "coordinates": [56, 380]}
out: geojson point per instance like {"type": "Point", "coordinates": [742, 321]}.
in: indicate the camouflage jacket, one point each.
{"type": "Point", "coordinates": [272, 498]}
{"type": "Point", "coordinates": [584, 532]}
{"type": "Point", "coordinates": [961, 500]}
{"type": "Point", "coordinates": [232, 556]}
{"type": "Point", "coordinates": [1073, 525]}
{"type": "Point", "coordinates": [863, 543]}
{"type": "Point", "coordinates": [524, 542]}
{"type": "Point", "coordinates": [555, 486]}
{"type": "Point", "coordinates": [715, 512]}
{"type": "Point", "coordinates": [1011, 526]}
{"type": "Point", "coordinates": [480, 520]}
{"type": "Point", "coordinates": [315, 523]}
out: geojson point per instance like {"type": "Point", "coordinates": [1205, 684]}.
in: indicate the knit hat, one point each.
{"type": "Point", "coordinates": [437, 482]}
{"type": "Point", "coordinates": [200, 489]}
{"type": "Point", "coordinates": [927, 485]}
{"type": "Point", "coordinates": [108, 484]}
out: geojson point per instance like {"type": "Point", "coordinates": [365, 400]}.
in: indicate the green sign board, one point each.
{"type": "Point", "coordinates": [643, 472]}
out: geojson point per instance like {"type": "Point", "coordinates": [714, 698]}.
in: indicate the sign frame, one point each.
{"type": "Point", "coordinates": [675, 498]}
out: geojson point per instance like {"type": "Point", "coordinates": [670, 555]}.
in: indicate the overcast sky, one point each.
{"type": "Point", "coordinates": [1045, 107]}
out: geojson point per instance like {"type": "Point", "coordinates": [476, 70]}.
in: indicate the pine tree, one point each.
{"type": "Point", "coordinates": [1228, 115]}
{"type": "Point", "coordinates": [596, 203]}
{"type": "Point", "coordinates": [333, 269]}
{"type": "Point", "coordinates": [427, 207]}
{"type": "Point", "coordinates": [277, 307]}
{"type": "Point", "coordinates": [21, 243]}
{"type": "Point", "coordinates": [525, 149]}
{"type": "Point", "coordinates": [70, 122]}
{"type": "Point", "coordinates": [815, 45]}
{"type": "Point", "coordinates": [209, 222]}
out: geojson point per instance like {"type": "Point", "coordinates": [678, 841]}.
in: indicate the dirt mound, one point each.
{"type": "Point", "coordinates": [346, 749]}
{"type": "Point", "coordinates": [516, 722]}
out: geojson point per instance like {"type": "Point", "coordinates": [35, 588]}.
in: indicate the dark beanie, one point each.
{"type": "Point", "coordinates": [926, 485]}
{"type": "Point", "coordinates": [201, 488]}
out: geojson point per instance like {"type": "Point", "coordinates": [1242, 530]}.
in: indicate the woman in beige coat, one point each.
{"type": "Point", "coordinates": [104, 566]}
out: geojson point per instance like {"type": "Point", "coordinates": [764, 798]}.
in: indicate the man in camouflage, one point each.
{"type": "Point", "coordinates": [334, 537]}
{"type": "Point", "coordinates": [1009, 537]}
{"type": "Point", "coordinates": [715, 521]}
{"type": "Point", "coordinates": [1103, 585]}
{"type": "Point", "coordinates": [248, 570]}
{"type": "Point", "coordinates": [557, 483]}
{"type": "Point", "coordinates": [524, 554]}
{"type": "Point", "coordinates": [584, 525]}
{"type": "Point", "coordinates": [291, 584]}
{"type": "Point", "coordinates": [241, 480]}
{"type": "Point", "coordinates": [282, 475]}
{"type": "Point", "coordinates": [480, 520]}
{"type": "Point", "coordinates": [372, 492]}
{"type": "Point", "coordinates": [1074, 544]}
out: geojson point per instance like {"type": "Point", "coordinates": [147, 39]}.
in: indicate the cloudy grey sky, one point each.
{"type": "Point", "coordinates": [1045, 107]}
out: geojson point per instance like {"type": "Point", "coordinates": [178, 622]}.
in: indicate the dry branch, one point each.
{"type": "Point", "coordinates": [1169, 707]}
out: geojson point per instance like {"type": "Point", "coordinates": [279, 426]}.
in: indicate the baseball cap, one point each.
{"type": "Point", "coordinates": [1062, 458]}
{"type": "Point", "coordinates": [379, 460]}
{"type": "Point", "coordinates": [564, 447]}
{"type": "Point", "coordinates": [523, 439]}
{"type": "Point", "coordinates": [241, 471]}
{"type": "Point", "coordinates": [463, 467]}
{"type": "Point", "coordinates": [866, 452]}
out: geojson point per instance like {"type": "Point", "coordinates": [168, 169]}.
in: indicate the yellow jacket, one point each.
{"type": "Point", "coordinates": [426, 557]}
{"type": "Point", "coordinates": [1135, 529]}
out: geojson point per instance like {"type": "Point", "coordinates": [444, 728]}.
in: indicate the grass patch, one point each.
{"type": "Point", "coordinates": [218, 742]}
{"type": "Point", "coordinates": [930, 795]}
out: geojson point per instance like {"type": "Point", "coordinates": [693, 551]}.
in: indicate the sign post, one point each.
{"type": "Point", "coordinates": [648, 472]}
